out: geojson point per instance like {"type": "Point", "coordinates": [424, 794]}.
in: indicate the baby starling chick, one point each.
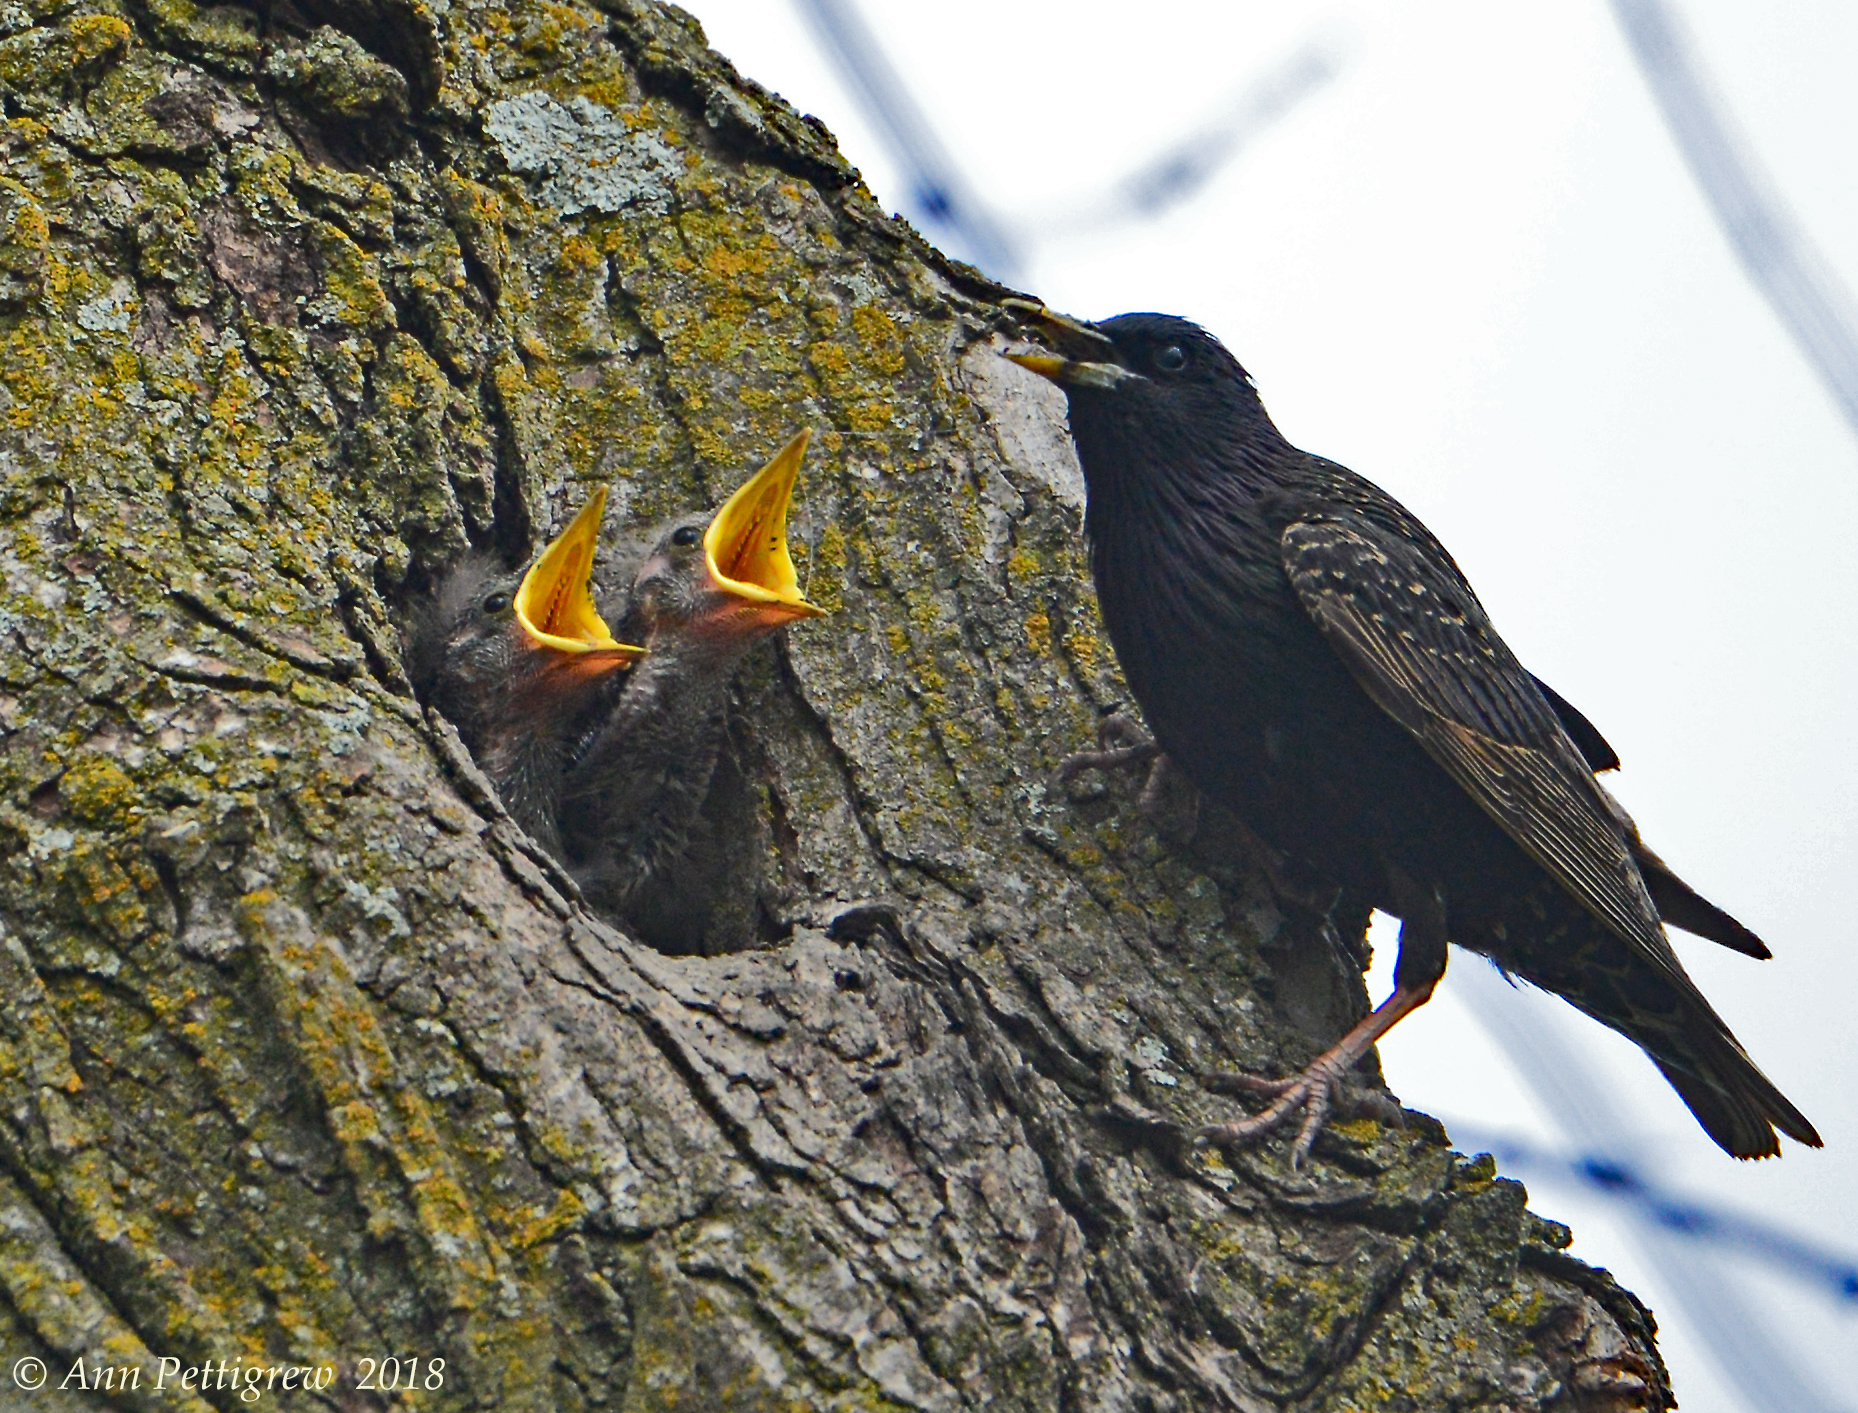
{"type": "Point", "coordinates": [520, 662]}
{"type": "Point", "coordinates": [709, 589]}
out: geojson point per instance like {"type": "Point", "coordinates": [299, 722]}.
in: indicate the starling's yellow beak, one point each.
{"type": "Point", "coordinates": [745, 548]}
{"type": "Point", "coordinates": [1093, 365]}
{"type": "Point", "coordinates": [554, 603]}
{"type": "Point", "coordinates": [1075, 372]}
{"type": "Point", "coordinates": [1046, 365]}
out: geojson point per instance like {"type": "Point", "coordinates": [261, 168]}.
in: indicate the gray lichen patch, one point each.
{"type": "Point", "coordinates": [110, 311]}
{"type": "Point", "coordinates": [587, 157]}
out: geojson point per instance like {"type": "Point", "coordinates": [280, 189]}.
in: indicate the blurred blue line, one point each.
{"type": "Point", "coordinates": [1180, 171]}
{"type": "Point", "coordinates": [1775, 252]}
{"type": "Point", "coordinates": [1756, 1359]}
{"type": "Point", "coordinates": [1620, 1180]}
{"type": "Point", "coordinates": [941, 198]}
{"type": "Point", "coordinates": [939, 194]}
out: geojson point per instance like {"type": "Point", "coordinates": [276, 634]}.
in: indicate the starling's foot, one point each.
{"type": "Point", "coordinates": [1321, 1090]}
{"type": "Point", "coordinates": [1313, 1092]}
{"type": "Point", "coordinates": [1120, 743]}
{"type": "Point", "coordinates": [1316, 1090]}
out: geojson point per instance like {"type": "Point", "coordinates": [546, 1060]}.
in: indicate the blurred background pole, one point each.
{"type": "Point", "coordinates": [1180, 171]}
{"type": "Point", "coordinates": [940, 197]}
{"type": "Point", "coordinates": [1799, 285]}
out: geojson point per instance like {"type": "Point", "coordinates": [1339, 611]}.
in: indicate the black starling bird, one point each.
{"type": "Point", "coordinates": [519, 662]}
{"type": "Point", "coordinates": [1309, 654]}
{"type": "Point", "coordinates": [710, 587]}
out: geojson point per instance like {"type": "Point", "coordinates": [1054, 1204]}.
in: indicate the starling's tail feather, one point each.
{"type": "Point", "coordinates": [1653, 1004]}
{"type": "Point", "coordinates": [1737, 1104]}
{"type": "Point", "coordinates": [1678, 903]}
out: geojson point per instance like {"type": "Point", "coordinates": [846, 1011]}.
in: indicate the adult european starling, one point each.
{"type": "Point", "coordinates": [709, 588]}
{"type": "Point", "coordinates": [518, 662]}
{"type": "Point", "coordinates": [1310, 655]}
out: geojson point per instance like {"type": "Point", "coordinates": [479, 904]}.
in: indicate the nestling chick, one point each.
{"type": "Point", "coordinates": [520, 662]}
{"type": "Point", "coordinates": [709, 589]}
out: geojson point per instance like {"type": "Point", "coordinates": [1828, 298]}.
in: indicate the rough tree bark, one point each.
{"type": "Point", "coordinates": [307, 1056]}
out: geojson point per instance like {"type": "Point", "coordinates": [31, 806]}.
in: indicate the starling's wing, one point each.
{"type": "Point", "coordinates": [1594, 748]}
{"type": "Point", "coordinates": [1413, 634]}
{"type": "Point", "coordinates": [1678, 903]}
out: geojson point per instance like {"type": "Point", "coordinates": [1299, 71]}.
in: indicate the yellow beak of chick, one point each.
{"type": "Point", "coordinates": [554, 602]}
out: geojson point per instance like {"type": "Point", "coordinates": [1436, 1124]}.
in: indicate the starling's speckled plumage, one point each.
{"type": "Point", "coordinates": [1311, 656]}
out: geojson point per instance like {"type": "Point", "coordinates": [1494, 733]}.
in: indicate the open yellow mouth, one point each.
{"type": "Point", "coordinates": [746, 544]}
{"type": "Point", "coordinates": [555, 604]}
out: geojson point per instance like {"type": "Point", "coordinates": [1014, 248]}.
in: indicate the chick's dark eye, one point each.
{"type": "Point", "coordinates": [684, 536]}
{"type": "Point", "coordinates": [1171, 359]}
{"type": "Point", "coordinates": [496, 603]}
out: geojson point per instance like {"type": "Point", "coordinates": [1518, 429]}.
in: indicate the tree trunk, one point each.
{"type": "Point", "coordinates": [309, 1058]}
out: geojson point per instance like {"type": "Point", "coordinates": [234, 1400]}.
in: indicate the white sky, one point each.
{"type": "Point", "coordinates": [1474, 268]}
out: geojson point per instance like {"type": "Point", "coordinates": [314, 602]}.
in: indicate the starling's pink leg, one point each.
{"type": "Point", "coordinates": [1416, 974]}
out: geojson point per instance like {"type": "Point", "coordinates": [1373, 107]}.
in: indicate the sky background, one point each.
{"type": "Point", "coordinates": [1474, 268]}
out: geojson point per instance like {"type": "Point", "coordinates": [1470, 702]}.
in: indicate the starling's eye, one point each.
{"type": "Point", "coordinates": [1171, 359]}
{"type": "Point", "coordinates": [496, 603]}
{"type": "Point", "coordinates": [684, 536]}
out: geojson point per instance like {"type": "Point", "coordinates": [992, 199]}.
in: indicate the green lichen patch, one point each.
{"type": "Point", "coordinates": [335, 79]}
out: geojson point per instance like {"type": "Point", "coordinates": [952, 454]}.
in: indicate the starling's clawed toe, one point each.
{"type": "Point", "coordinates": [1118, 729]}
{"type": "Point", "coordinates": [1312, 1092]}
{"type": "Point", "coordinates": [1239, 1082]}
{"type": "Point", "coordinates": [1164, 778]}
{"type": "Point", "coordinates": [1121, 744]}
{"type": "Point", "coordinates": [1320, 1091]}
{"type": "Point", "coordinates": [1078, 763]}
